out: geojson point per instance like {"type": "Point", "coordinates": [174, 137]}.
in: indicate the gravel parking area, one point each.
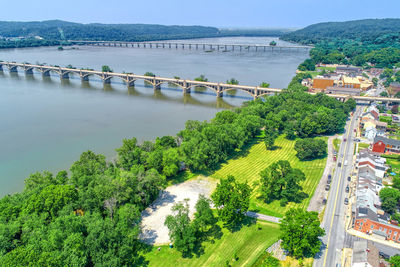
{"type": "Point", "coordinates": [153, 230]}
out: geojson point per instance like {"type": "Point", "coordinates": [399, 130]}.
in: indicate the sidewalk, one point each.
{"type": "Point", "coordinates": [371, 238]}
{"type": "Point", "coordinates": [263, 217]}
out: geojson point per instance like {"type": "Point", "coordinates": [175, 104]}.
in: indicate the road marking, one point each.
{"type": "Point", "coordinates": [337, 192]}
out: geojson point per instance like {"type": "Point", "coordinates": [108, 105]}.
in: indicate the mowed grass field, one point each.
{"type": "Point", "coordinates": [248, 243]}
{"type": "Point", "coordinates": [247, 166]}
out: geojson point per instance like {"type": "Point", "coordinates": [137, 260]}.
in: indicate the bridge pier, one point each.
{"type": "Point", "coordinates": [130, 82]}
{"type": "Point", "coordinates": [186, 90]}
{"type": "Point", "coordinates": [46, 73]}
{"type": "Point", "coordinates": [28, 71]}
{"type": "Point", "coordinates": [220, 94]}
{"type": "Point", "coordinates": [64, 75]}
{"type": "Point", "coordinates": [156, 87]}
{"type": "Point", "coordinates": [13, 68]}
{"type": "Point", "coordinates": [1, 67]}
{"type": "Point", "coordinates": [85, 78]}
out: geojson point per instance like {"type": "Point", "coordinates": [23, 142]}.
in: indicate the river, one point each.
{"type": "Point", "coordinates": [45, 123]}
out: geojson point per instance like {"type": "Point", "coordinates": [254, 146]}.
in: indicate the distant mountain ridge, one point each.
{"type": "Point", "coordinates": [64, 30]}
{"type": "Point", "coordinates": [366, 30]}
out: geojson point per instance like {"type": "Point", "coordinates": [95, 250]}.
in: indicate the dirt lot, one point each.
{"type": "Point", "coordinates": [154, 231]}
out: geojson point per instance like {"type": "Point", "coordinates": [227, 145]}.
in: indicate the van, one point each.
{"type": "Point", "coordinates": [345, 163]}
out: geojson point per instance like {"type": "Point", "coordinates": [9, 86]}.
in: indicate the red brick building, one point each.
{"type": "Point", "coordinates": [383, 145]}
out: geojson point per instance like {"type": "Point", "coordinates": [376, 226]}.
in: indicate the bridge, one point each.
{"type": "Point", "coordinates": [186, 85]}
{"type": "Point", "coordinates": [195, 46]}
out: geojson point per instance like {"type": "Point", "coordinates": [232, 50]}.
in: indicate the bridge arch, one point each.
{"type": "Point", "coordinates": [241, 89]}
{"type": "Point", "coordinates": [175, 83]}
{"type": "Point", "coordinates": [201, 85]}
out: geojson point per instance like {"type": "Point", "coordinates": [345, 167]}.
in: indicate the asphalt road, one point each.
{"type": "Point", "coordinates": [334, 218]}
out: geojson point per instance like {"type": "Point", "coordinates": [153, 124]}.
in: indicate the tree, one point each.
{"type": "Point", "coordinates": [384, 94]}
{"type": "Point", "coordinates": [310, 148]}
{"type": "Point", "coordinates": [269, 141]}
{"type": "Point", "coordinates": [280, 181]}
{"type": "Point", "coordinates": [201, 78]}
{"type": "Point", "coordinates": [301, 232]}
{"type": "Point", "coordinates": [375, 81]}
{"type": "Point", "coordinates": [106, 68]}
{"type": "Point", "coordinates": [170, 162]}
{"type": "Point", "coordinates": [390, 198]}
{"type": "Point", "coordinates": [181, 231]}
{"type": "Point", "coordinates": [204, 216]}
{"type": "Point", "coordinates": [272, 43]}
{"type": "Point", "coordinates": [231, 200]}
{"type": "Point", "coordinates": [307, 65]}
{"type": "Point", "coordinates": [150, 74]}
{"type": "Point", "coordinates": [264, 85]}
{"type": "Point", "coordinates": [129, 154]}
{"type": "Point", "coordinates": [86, 168]}
{"type": "Point", "coordinates": [232, 81]}
{"type": "Point", "coordinates": [395, 260]}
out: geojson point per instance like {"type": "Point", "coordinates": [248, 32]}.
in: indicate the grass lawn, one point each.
{"type": "Point", "coordinates": [336, 144]}
{"type": "Point", "coordinates": [246, 166]}
{"type": "Point", "coordinates": [395, 164]}
{"type": "Point", "coordinates": [385, 119]}
{"type": "Point", "coordinates": [361, 146]}
{"type": "Point", "coordinates": [248, 243]}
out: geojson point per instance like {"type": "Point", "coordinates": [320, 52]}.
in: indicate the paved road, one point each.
{"type": "Point", "coordinates": [333, 222]}
{"type": "Point", "coordinates": [263, 217]}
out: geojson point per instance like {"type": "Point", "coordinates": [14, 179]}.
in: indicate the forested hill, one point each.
{"type": "Point", "coordinates": [367, 30]}
{"type": "Point", "coordinates": [63, 30]}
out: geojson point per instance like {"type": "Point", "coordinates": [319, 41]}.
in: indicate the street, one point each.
{"type": "Point", "coordinates": [334, 219]}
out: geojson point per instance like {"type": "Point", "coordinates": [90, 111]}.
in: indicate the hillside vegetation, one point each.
{"type": "Point", "coordinates": [365, 43]}
{"type": "Point", "coordinates": [367, 30]}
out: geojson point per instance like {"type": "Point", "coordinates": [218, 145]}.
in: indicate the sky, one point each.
{"type": "Point", "coordinates": [218, 13]}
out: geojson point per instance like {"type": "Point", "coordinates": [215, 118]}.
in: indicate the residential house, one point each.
{"type": "Point", "coordinates": [370, 132]}
{"type": "Point", "coordinates": [365, 254]}
{"type": "Point", "coordinates": [385, 145]}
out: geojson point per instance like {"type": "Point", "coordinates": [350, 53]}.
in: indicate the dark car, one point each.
{"type": "Point", "coordinates": [383, 255]}
{"type": "Point", "coordinates": [327, 187]}
{"type": "Point", "coordinates": [324, 201]}
{"type": "Point", "coordinates": [346, 201]}
{"type": "Point", "coordinates": [347, 189]}
{"type": "Point", "coordinates": [349, 178]}
{"type": "Point", "coordinates": [340, 164]}
{"type": "Point", "coordinates": [329, 181]}
{"type": "Point", "coordinates": [344, 140]}
{"type": "Point", "coordinates": [329, 176]}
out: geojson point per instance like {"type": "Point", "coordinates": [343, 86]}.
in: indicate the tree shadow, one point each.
{"type": "Point", "coordinates": [245, 221]}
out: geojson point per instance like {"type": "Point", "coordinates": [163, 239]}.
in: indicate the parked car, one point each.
{"type": "Point", "coordinates": [346, 201]}
{"type": "Point", "coordinates": [383, 255]}
{"type": "Point", "coordinates": [349, 178]}
{"type": "Point", "coordinates": [329, 176]}
{"type": "Point", "coordinates": [327, 187]}
{"type": "Point", "coordinates": [340, 164]}
{"type": "Point", "coordinates": [347, 189]}
{"type": "Point", "coordinates": [344, 140]}
{"type": "Point", "coordinates": [329, 181]}
{"type": "Point", "coordinates": [324, 201]}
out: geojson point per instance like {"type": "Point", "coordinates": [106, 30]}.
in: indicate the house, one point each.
{"type": "Point", "coordinates": [371, 115]}
{"type": "Point", "coordinates": [322, 83]}
{"type": "Point", "coordinates": [342, 91]}
{"type": "Point", "coordinates": [385, 145]}
{"type": "Point", "coordinates": [370, 132]}
{"type": "Point", "coordinates": [365, 254]}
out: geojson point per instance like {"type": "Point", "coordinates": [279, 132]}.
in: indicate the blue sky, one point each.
{"type": "Point", "coordinates": [220, 13]}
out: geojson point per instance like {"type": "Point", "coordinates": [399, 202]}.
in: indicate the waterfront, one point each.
{"type": "Point", "coordinates": [46, 124]}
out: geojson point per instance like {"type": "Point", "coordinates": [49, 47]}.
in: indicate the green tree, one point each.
{"type": "Point", "coordinates": [181, 231]}
{"type": "Point", "coordinates": [375, 81]}
{"type": "Point", "coordinates": [231, 200]}
{"type": "Point", "coordinates": [86, 168]}
{"type": "Point", "coordinates": [384, 94]}
{"type": "Point", "coordinates": [129, 154]}
{"type": "Point", "coordinates": [264, 85]}
{"type": "Point", "coordinates": [280, 181]}
{"type": "Point", "coordinates": [390, 198]}
{"type": "Point", "coordinates": [310, 148]}
{"type": "Point", "coordinates": [269, 142]}
{"type": "Point", "coordinates": [150, 74]}
{"type": "Point", "coordinates": [106, 68]}
{"type": "Point", "coordinates": [204, 216]}
{"type": "Point", "coordinates": [232, 81]}
{"type": "Point", "coordinates": [395, 261]}
{"type": "Point", "coordinates": [201, 78]}
{"type": "Point", "coordinates": [170, 162]}
{"type": "Point", "coordinates": [301, 232]}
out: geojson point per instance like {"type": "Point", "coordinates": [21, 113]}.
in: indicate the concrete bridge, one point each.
{"type": "Point", "coordinates": [195, 46]}
{"type": "Point", "coordinates": [186, 85]}
{"type": "Point", "coordinates": [129, 79]}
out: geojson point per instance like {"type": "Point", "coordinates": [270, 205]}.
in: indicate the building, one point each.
{"type": "Point", "coordinates": [322, 83]}
{"type": "Point", "coordinates": [394, 88]}
{"type": "Point", "coordinates": [348, 70]}
{"type": "Point", "coordinates": [365, 254]}
{"type": "Point", "coordinates": [342, 91]}
{"type": "Point", "coordinates": [385, 145]}
{"type": "Point", "coordinates": [351, 82]}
